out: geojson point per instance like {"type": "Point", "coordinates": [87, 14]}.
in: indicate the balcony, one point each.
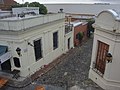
{"type": "Point", "coordinates": [68, 28]}
{"type": "Point", "coordinates": [17, 23]}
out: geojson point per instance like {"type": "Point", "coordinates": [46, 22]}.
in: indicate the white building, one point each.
{"type": "Point", "coordinates": [105, 62]}
{"type": "Point", "coordinates": [28, 43]}
{"type": "Point", "coordinates": [4, 14]}
{"type": "Point", "coordinates": [25, 10]}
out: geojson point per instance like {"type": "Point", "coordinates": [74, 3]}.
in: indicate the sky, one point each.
{"type": "Point", "coordinates": [69, 1]}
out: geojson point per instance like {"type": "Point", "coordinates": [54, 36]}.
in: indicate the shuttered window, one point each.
{"type": "Point", "coordinates": [38, 49]}
{"type": "Point", "coordinates": [55, 40]}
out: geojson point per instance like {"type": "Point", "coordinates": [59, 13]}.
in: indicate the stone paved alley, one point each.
{"type": "Point", "coordinates": [73, 70]}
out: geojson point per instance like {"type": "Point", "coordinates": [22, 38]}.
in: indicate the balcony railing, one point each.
{"type": "Point", "coordinates": [68, 28]}
{"type": "Point", "coordinates": [16, 24]}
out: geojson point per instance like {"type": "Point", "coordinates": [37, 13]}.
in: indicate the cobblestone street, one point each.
{"type": "Point", "coordinates": [73, 70]}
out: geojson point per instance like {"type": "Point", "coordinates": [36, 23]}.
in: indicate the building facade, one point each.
{"type": "Point", "coordinates": [80, 32]}
{"type": "Point", "coordinates": [79, 28]}
{"type": "Point", "coordinates": [29, 43]}
{"type": "Point", "coordinates": [104, 69]}
{"type": "Point", "coordinates": [69, 35]}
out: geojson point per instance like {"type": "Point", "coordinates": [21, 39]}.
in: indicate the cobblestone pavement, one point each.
{"type": "Point", "coordinates": [73, 70]}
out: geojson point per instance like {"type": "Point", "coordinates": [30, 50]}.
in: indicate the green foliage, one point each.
{"type": "Point", "coordinates": [42, 8]}
{"type": "Point", "coordinates": [90, 22]}
{"type": "Point", "coordinates": [90, 27]}
{"type": "Point", "coordinates": [80, 36]}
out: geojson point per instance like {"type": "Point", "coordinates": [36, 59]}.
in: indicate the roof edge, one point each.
{"type": "Point", "coordinates": [112, 12]}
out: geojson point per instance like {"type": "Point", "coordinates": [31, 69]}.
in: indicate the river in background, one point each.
{"type": "Point", "coordinates": [71, 1]}
{"type": "Point", "coordinates": [83, 1]}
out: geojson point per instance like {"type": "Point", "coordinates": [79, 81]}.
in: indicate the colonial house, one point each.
{"type": "Point", "coordinates": [30, 42]}
{"type": "Point", "coordinates": [105, 61]}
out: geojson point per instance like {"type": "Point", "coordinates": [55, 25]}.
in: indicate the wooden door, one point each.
{"type": "Point", "coordinates": [101, 56]}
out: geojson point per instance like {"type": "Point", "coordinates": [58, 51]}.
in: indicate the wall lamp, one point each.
{"type": "Point", "coordinates": [109, 57]}
{"type": "Point", "coordinates": [30, 44]}
{"type": "Point", "coordinates": [18, 50]}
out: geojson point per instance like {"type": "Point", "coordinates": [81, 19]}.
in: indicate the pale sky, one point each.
{"type": "Point", "coordinates": [68, 1]}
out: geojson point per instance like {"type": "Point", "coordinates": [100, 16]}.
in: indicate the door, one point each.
{"type": "Point", "coordinates": [101, 56]}
{"type": "Point", "coordinates": [68, 43]}
{"type": "Point", "coordinates": [6, 66]}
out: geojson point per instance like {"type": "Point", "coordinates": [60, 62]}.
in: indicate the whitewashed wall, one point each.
{"type": "Point", "coordinates": [110, 79]}
{"type": "Point", "coordinates": [46, 34]}
{"type": "Point", "coordinates": [66, 37]}
{"type": "Point", "coordinates": [16, 24]}
{"type": "Point", "coordinates": [21, 39]}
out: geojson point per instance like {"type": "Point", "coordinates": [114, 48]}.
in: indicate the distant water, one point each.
{"type": "Point", "coordinates": [105, 1]}
{"type": "Point", "coordinates": [83, 1]}
{"type": "Point", "coordinates": [72, 1]}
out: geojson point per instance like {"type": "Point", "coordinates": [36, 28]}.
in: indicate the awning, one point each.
{"type": "Point", "coordinates": [4, 55]}
{"type": "Point", "coordinates": [3, 49]}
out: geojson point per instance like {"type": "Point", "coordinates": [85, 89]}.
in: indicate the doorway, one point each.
{"type": "Point", "coordinates": [101, 56]}
{"type": "Point", "coordinates": [6, 66]}
{"type": "Point", "coordinates": [68, 43]}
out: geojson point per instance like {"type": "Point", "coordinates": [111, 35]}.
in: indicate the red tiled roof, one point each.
{"type": "Point", "coordinates": [6, 4]}
{"type": "Point", "coordinates": [9, 2]}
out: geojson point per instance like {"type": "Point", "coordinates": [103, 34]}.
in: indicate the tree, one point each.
{"type": "Point", "coordinates": [42, 8]}
{"type": "Point", "coordinates": [90, 27]}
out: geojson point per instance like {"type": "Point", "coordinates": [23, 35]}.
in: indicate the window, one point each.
{"type": "Point", "coordinates": [38, 49]}
{"type": "Point", "coordinates": [55, 40]}
{"type": "Point", "coordinates": [16, 62]}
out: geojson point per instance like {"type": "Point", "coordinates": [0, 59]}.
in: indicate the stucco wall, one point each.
{"type": "Point", "coordinates": [110, 79]}
{"type": "Point", "coordinates": [105, 33]}
{"type": "Point", "coordinates": [67, 36]}
{"type": "Point", "coordinates": [28, 63]}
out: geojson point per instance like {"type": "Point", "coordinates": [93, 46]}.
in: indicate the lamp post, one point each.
{"type": "Point", "coordinates": [18, 50]}
{"type": "Point", "coordinates": [109, 57]}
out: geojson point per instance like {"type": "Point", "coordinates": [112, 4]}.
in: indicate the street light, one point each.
{"type": "Point", "coordinates": [18, 50]}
